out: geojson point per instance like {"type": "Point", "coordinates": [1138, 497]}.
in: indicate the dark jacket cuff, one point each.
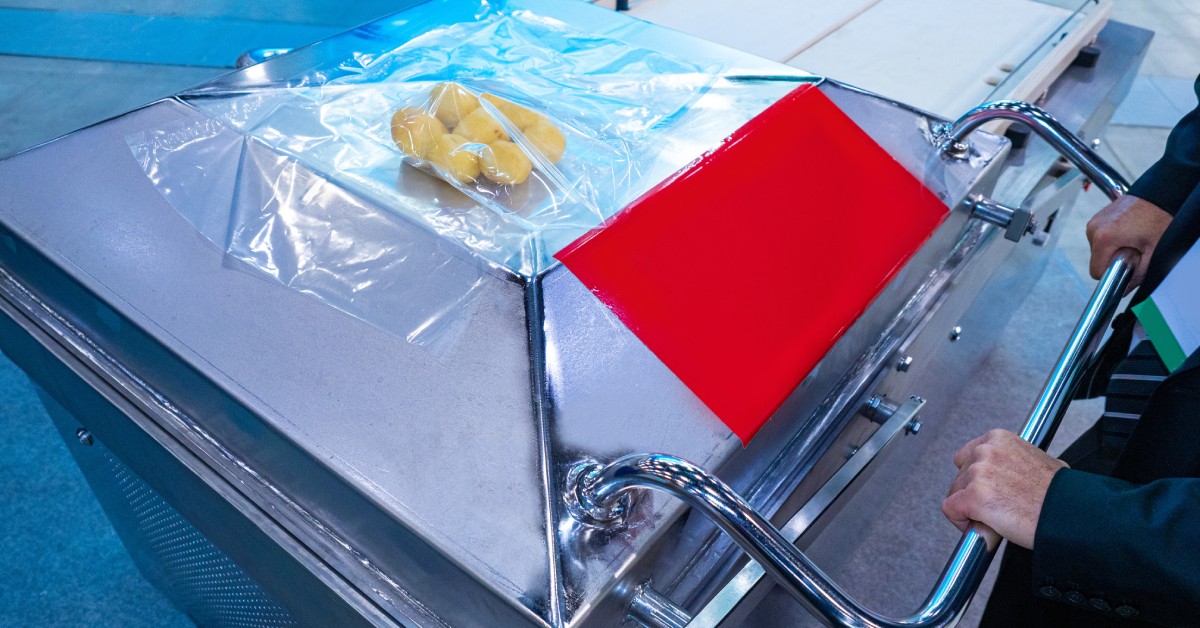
{"type": "Point", "coordinates": [1167, 184]}
{"type": "Point", "coordinates": [1120, 549]}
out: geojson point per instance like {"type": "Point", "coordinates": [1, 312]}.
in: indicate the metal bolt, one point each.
{"type": "Point", "coordinates": [913, 427]}
{"type": "Point", "coordinates": [84, 436]}
{"type": "Point", "coordinates": [955, 333]}
{"type": "Point", "coordinates": [878, 409]}
{"type": "Point", "coordinates": [904, 362]}
{"type": "Point", "coordinates": [1096, 143]}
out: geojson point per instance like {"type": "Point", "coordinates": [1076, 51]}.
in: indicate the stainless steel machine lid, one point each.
{"type": "Point", "coordinates": [415, 434]}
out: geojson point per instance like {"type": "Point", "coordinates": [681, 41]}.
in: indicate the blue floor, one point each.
{"type": "Point", "coordinates": [66, 64]}
{"type": "Point", "coordinates": [159, 40]}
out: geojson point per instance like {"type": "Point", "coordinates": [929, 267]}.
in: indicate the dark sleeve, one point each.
{"type": "Point", "coordinates": [1122, 549]}
{"type": "Point", "coordinates": [1170, 180]}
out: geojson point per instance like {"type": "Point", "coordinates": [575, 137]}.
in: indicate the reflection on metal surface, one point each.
{"type": "Point", "coordinates": [967, 565]}
{"type": "Point", "coordinates": [607, 371]}
{"type": "Point", "coordinates": [847, 392]}
{"type": "Point", "coordinates": [738, 591]}
{"type": "Point", "coordinates": [776, 554]}
{"type": "Point", "coordinates": [21, 299]}
{"type": "Point", "coordinates": [953, 140]}
{"type": "Point", "coordinates": [879, 409]}
{"type": "Point", "coordinates": [1016, 222]}
{"type": "Point", "coordinates": [258, 55]}
{"type": "Point", "coordinates": [599, 489]}
{"type": "Point", "coordinates": [197, 348]}
{"type": "Point", "coordinates": [1079, 351]}
{"type": "Point", "coordinates": [653, 609]}
{"type": "Point", "coordinates": [587, 579]}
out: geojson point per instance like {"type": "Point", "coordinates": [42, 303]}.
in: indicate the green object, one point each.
{"type": "Point", "coordinates": [1160, 334]}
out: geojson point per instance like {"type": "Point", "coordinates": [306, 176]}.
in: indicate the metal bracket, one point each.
{"type": "Point", "coordinates": [650, 607]}
{"type": "Point", "coordinates": [879, 409]}
{"type": "Point", "coordinates": [1017, 223]}
{"type": "Point", "coordinates": [952, 140]}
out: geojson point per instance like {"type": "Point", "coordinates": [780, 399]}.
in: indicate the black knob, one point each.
{"type": "Point", "coordinates": [1018, 134]}
{"type": "Point", "coordinates": [1087, 57]}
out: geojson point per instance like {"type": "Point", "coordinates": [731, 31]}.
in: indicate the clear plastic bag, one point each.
{"type": "Point", "coordinates": [607, 98]}
{"type": "Point", "coordinates": [630, 116]}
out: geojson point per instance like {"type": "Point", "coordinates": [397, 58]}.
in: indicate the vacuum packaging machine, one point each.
{"type": "Point", "coordinates": [318, 373]}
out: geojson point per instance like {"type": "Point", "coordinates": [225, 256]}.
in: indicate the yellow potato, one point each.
{"type": "Point", "coordinates": [453, 160]}
{"type": "Point", "coordinates": [505, 162]}
{"type": "Point", "coordinates": [547, 139]}
{"type": "Point", "coordinates": [479, 126]}
{"type": "Point", "coordinates": [518, 115]}
{"type": "Point", "coordinates": [452, 102]}
{"type": "Point", "coordinates": [415, 131]}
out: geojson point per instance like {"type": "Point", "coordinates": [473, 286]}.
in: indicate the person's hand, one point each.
{"type": "Point", "coordinates": [1126, 223]}
{"type": "Point", "coordinates": [1001, 484]}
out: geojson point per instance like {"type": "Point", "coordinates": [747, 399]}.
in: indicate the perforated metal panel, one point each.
{"type": "Point", "coordinates": [178, 559]}
{"type": "Point", "coordinates": [198, 577]}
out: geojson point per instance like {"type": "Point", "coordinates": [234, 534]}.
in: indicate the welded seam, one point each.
{"type": "Point", "coordinates": [535, 319]}
{"type": "Point", "coordinates": [143, 393]}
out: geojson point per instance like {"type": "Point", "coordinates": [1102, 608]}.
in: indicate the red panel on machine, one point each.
{"type": "Point", "coordinates": [744, 268]}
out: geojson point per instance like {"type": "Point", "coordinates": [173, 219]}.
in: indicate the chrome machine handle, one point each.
{"type": "Point", "coordinates": [599, 494]}
{"type": "Point", "coordinates": [744, 590]}
{"type": "Point", "coordinates": [1017, 222]}
{"type": "Point", "coordinates": [952, 140]}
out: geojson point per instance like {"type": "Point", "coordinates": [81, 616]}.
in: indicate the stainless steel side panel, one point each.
{"type": "Point", "coordinates": [376, 449]}
{"type": "Point", "coordinates": [417, 475]}
{"type": "Point", "coordinates": [610, 396]}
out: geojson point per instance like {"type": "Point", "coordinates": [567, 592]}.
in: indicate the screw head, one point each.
{"type": "Point", "coordinates": [85, 437]}
{"type": "Point", "coordinates": [956, 333]}
{"type": "Point", "coordinates": [913, 427]}
{"type": "Point", "coordinates": [904, 363]}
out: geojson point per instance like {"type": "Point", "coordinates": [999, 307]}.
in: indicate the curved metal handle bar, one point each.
{"type": "Point", "coordinates": [953, 140]}
{"type": "Point", "coordinates": [600, 491]}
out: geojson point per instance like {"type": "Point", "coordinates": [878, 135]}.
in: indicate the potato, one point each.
{"type": "Point", "coordinates": [452, 102]}
{"type": "Point", "coordinates": [415, 131]}
{"type": "Point", "coordinates": [519, 116]}
{"type": "Point", "coordinates": [505, 162]}
{"type": "Point", "coordinates": [480, 126]}
{"type": "Point", "coordinates": [547, 139]}
{"type": "Point", "coordinates": [453, 160]}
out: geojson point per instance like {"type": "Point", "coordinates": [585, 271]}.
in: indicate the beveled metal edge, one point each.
{"type": "Point", "coordinates": [55, 331]}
